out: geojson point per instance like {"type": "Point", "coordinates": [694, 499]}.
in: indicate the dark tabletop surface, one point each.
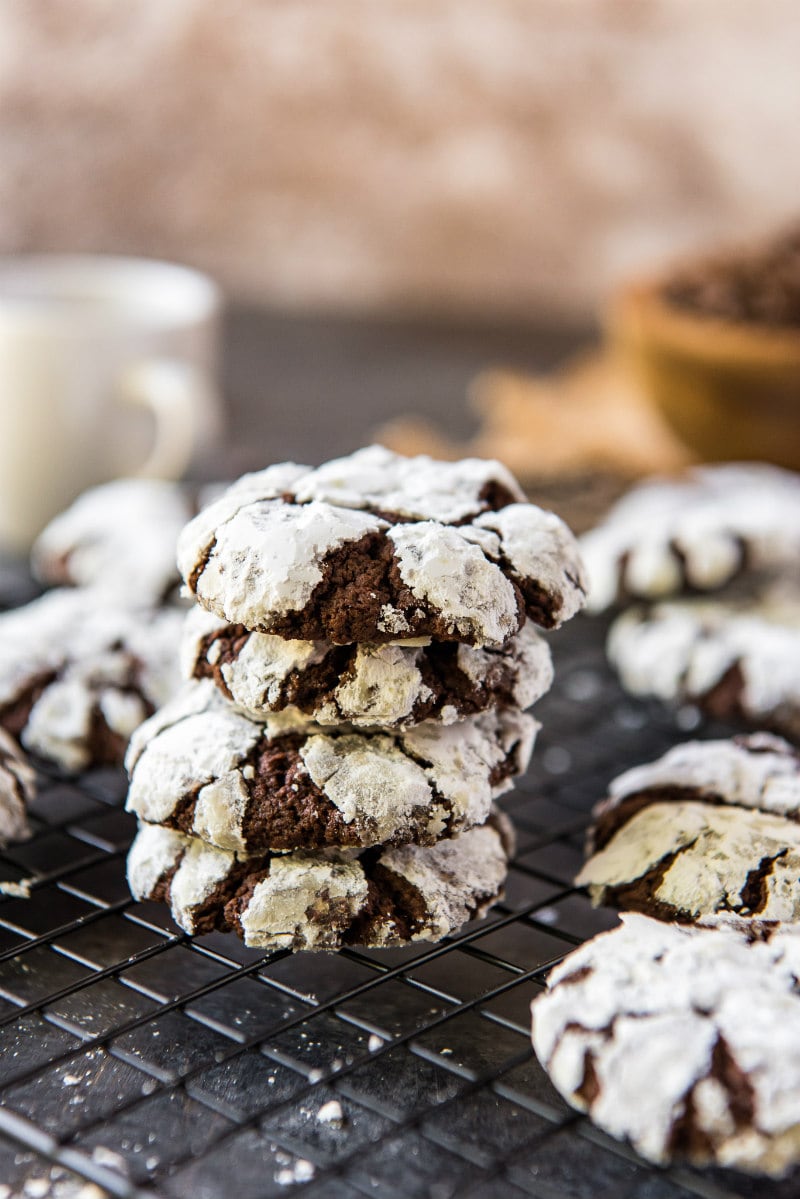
{"type": "Point", "coordinates": [309, 388]}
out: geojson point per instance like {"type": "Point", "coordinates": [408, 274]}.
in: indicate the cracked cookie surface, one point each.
{"type": "Point", "coordinates": [712, 826]}
{"type": "Point", "coordinates": [250, 786]}
{"type": "Point", "coordinates": [694, 533]}
{"type": "Point", "coordinates": [381, 897]}
{"type": "Point", "coordinates": [395, 685]}
{"type": "Point", "coordinates": [736, 662]}
{"type": "Point", "coordinates": [376, 547]}
{"type": "Point", "coordinates": [683, 1041]}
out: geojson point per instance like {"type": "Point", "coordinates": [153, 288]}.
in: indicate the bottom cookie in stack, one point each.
{"type": "Point", "coordinates": [373, 898]}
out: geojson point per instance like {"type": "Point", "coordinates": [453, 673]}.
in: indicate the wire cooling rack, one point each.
{"type": "Point", "coordinates": [137, 1061]}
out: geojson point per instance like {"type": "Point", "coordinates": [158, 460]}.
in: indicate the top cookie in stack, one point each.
{"type": "Point", "coordinates": [359, 663]}
{"type": "Point", "coordinates": [376, 547]}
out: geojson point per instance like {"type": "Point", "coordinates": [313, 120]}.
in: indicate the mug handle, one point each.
{"type": "Point", "coordinates": [179, 397]}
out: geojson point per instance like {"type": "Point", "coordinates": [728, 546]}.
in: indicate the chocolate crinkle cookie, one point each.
{"type": "Point", "coordinates": [712, 826]}
{"type": "Point", "coordinates": [683, 1041]}
{"type": "Point", "coordinates": [17, 789]}
{"type": "Point", "coordinates": [394, 685]}
{"type": "Point", "coordinates": [737, 662]}
{"type": "Point", "coordinates": [78, 674]}
{"type": "Point", "coordinates": [376, 547]}
{"type": "Point", "coordinates": [696, 533]}
{"type": "Point", "coordinates": [118, 539]}
{"type": "Point", "coordinates": [201, 767]}
{"type": "Point", "coordinates": [378, 898]}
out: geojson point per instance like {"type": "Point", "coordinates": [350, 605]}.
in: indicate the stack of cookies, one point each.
{"type": "Point", "coordinates": [357, 669]}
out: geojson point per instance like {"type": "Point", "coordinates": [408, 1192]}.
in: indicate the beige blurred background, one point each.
{"type": "Point", "coordinates": [509, 158]}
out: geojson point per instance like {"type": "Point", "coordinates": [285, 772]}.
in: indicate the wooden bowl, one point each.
{"type": "Point", "coordinates": [730, 390]}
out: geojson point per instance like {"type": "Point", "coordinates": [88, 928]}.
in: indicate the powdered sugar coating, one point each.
{"type": "Point", "coordinates": [321, 901]}
{"type": "Point", "coordinates": [699, 531]}
{"type": "Point", "coordinates": [17, 789]}
{"type": "Point", "coordinates": [419, 488]}
{"type": "Point", "coordinates": [178, 754]}
{"type": "Point", "coordinates": [540, 554]}
{"type": "Point", "coordinates": [229, 779]}
{"type": "Point", "coordinates": [735, 661]}
{"type": "Point", "coordinates": [363, 550]}
{"type": "Point", "coordinates": [278, 913]}
{"type": "Point", "coordinates": [683, 1041]}
{"type": "Point", "coordinates": [694, 859]}
{"type": "Point", "coordinates": [754, 771]}
{"type": "Point", "coordinates": [365, 685]}
{"type": "Point", "coordinates": [446, 572]}
{"type": "Point", "coordinates": [711, 827]}
{"type": "Point", "coordinates": [79, 672]}
{"type": "Point", "coordinates": [267, 557]}
{"type": "Point", "coordinates": [118, 539]}
{"type": "Point", "coordinates": [450, 875]}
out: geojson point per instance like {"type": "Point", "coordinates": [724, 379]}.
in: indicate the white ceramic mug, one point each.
{"type": "Point", "coordinates": [107, 368]}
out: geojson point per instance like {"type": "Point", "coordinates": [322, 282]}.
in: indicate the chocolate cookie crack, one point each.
{"type": "Point", "coordinates": [495, 495]}
{"type": "Point", "coordinates": [15, 713]}
{"type": "Point", "coordinates": [211, 914]}
{"type": "Point", "coordinates": [318, 685]}
{"type": "Point", "coordinates": [105, 746]}
{"type": "Point", "coordinates": [359, 579]}
{"type": "Point", "coordinates": [738, 568]}
{"type": "Point", "coordinates": [391, 899]}
{"type": "Point", "coordinates": [161, 891]}
{"type": "Point", "coordinates": [200, 565]}
{"type": "Point", "coordinates": [589, 1087]}
{"type": "Point", "coordinates": [286, 810]}
{"type": "Point", "coordinates": [754, 895]}
{"type": "Point", "coordinates": [219, 649]}
{"type": "Point", "coordinates": [492, 496]}
{"type": "Point", "coordinates": [723, 700]}
{"type": "Point", "coordinates": [450, 686]}
{"type": "Point", "coordinates": [686, 1137]}
{"type": "Point", "coordinates": [639, 895]}
{"type": "Point", "coordinates": [506, 768]}
{"type": "Point", "coordinates": [577, 976]}
{"type": "Point", "coordinates": [303, 687]}
{"type": "Point", "coordinates": [541, 606]}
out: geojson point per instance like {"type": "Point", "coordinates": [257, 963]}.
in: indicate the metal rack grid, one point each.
{"type": "Point", "coordinates": [146, 1062]}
